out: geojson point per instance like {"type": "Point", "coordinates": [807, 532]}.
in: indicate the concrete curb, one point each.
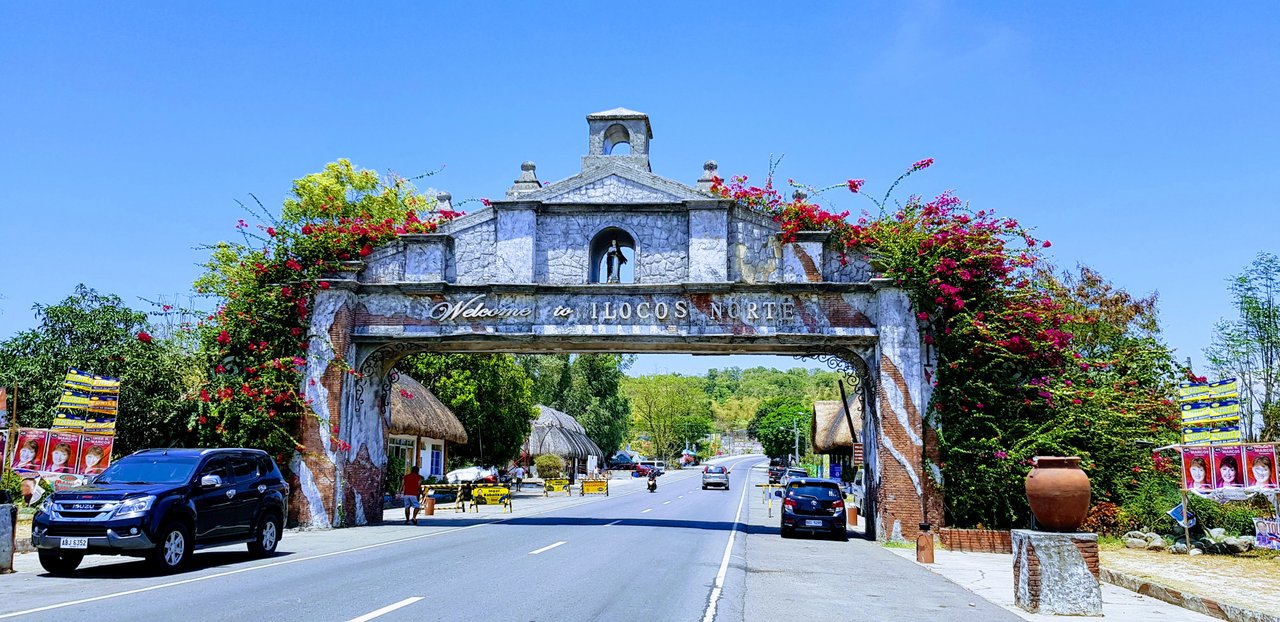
{"type": "Point", "coordinates": [1195, 603]}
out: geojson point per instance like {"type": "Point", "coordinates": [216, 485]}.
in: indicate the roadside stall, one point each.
{"type": "Point", "coordinates": [557, 433]}
{"type": "Point", "coordinates": [420, 430]}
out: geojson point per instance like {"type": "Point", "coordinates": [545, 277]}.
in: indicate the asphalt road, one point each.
{"type": "Point", "coordinates": [678, 554]}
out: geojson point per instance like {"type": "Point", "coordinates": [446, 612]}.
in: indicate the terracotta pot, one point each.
{"type": "Point", "coordinates": [1058, 492]}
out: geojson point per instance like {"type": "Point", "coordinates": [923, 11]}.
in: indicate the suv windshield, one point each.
{"type": "Point", "coordinates": [164, 470]}
{"type": "Point", "coordinates": [817, 491]}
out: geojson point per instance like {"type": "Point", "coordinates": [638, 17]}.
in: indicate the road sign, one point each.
{"type": "Point", "coordinates": [595, 487]}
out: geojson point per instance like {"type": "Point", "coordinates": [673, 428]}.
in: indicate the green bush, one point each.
{"type": "Point", "coordinates": [549, 466]}
{"type": "Point", "coordinates": [1146, 509]}
{"type": "Point", "coordinates": [395, 475]}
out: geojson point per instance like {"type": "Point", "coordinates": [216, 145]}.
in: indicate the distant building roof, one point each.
{"type": "Point", "coordinates": [416, 411]}
{"type": "Point", "coordinates": [555, 432]}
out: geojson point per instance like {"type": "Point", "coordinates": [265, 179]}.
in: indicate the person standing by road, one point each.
{"type": "Point", "coordinates": [518, 474]}
{"type": "Point", "coordinates": [411, 490]}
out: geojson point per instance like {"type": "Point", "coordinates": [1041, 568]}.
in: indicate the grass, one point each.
{"type": "Point", "coordinates": [890, 544]}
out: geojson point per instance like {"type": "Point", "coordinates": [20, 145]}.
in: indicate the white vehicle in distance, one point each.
{"type": "Point", "coordinates": [657, 465]}
{"type": "Point", "coordinates": [715, 475]}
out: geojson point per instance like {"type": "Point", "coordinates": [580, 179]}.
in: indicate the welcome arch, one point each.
{"type": "Point", "coordinates": [716, 278]}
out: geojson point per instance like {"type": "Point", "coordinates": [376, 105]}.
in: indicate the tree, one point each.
{"type": "Point", "coordinates": [588, 387]}
{"type": "Point", "coordinates": [776, 422]}
{"type": "Point", "coordinates": [489, 393]}
{"type": "Point", "coordinates": [97, 333]}
{"type": "Point", "coordinates": [1248, 347]}
{"type": "Point", "coordinates": [669, 409]}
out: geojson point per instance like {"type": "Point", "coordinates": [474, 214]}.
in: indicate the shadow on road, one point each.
{"type": "Point", "coordinates": [135, 568]}
{"type": "Point", "coordinates": [558, 521]}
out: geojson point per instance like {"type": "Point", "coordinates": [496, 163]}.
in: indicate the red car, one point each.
{"type": "Point", "coordinates": [643, 470]}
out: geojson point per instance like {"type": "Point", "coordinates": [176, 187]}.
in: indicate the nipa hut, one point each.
{"type": "Point", "coordinates": [831, 431]}
{"type": "Point", "coordinates": [555, 432]}
{"type": "Point", "coordinates": [421, 426]}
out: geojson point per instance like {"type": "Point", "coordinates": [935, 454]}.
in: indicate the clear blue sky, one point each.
{"type": "Point", "coordinates": [1140, 137]}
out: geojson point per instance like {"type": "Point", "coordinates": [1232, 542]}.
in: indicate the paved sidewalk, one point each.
{"type": "Point", "coordinates": [990, 575]}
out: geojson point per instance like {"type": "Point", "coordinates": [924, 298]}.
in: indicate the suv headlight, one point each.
{"type": "Point", "coordinates": [136, 506]}
{"type": "Point", "coordinates": [46, 506]}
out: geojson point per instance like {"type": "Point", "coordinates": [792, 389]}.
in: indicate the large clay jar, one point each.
{"type": "Point", "coordinates": [1058, 492]}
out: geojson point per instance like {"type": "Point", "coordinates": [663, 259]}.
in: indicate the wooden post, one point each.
{"type": "Point", "coordinates": [1186, 524]}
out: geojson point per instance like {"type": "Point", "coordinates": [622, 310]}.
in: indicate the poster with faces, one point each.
{"type": "Point", "coordinates": [29, 449]}
{"type": "Point", "coordinates": [1260, 466]}
{"type": "Point", "coordinates": [1197, 468]}
{"type": "Point", "coordinates": [95, 453]}
{"type": "Point", "coordinates": [1227, 472]}
{"type": "Point", "coordinates": [63, 453]}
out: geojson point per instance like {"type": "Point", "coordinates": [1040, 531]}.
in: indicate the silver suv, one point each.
{"type": "Point", "coordinates": [715, 475]}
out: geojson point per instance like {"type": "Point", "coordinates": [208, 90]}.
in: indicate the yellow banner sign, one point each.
{"type": "Point", "coordinates": [555, 485]}
{"type": "Point", "coordinates": [595, 487]}
{"type": "Point", "coordinates": [491, 495]}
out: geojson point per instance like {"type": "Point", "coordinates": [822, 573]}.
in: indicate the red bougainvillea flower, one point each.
{"type": "Point", "coordinates": [144, 336]}
{"type": "Point", "coordinates": [922, 164]}
{"type": "Point", "coordinates": [307, 229]}
{"type": "Point", "coordinates": [1047, 244]}
{"type": "Point", "coordinates": [271, 231]}
{"type": "Point", "coordinates": [485, 202]}
{"type": "Point", "coordinates": [365, 250]}
{"type": "Point", "coordinates": [202, 420]}
{"type": "Point", "coordinates": [855, 184]}
{"type": "Point", "coordinates": [224, 338]}
{"type": "Point", "coordinates": [324, 285]}
{"type": "Point", "coordinates": [204, 395]}
{"type": "Point", "coordinates": [286, 292]}
{"type": "Point", "coordinates": [167, 308]}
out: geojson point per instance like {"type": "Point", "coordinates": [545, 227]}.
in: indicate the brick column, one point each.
{"type": "Point", "coordinates": [1056, 573]}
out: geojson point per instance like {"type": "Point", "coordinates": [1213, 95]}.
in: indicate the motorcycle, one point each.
{"type": "Point", "coordinates": [653, 482]}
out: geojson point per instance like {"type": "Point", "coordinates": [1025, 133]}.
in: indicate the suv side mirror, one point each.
{"type": "Point", "coordinates": [210, 481]}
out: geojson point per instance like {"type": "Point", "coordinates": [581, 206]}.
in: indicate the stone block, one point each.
{"type": "Point", "coordinates": [8, 530]}
{"type": "Point", "coordinates": [1056, 573]}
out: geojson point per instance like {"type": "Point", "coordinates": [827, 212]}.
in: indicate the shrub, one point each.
{"type": "Point", "coordinates": [549, 466]}
{"type": "Point", "coordinates": [1103, 518]}
{"type": "Point", "coordinates": [395, 475]}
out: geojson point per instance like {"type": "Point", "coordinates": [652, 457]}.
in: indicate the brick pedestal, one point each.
{"type": "Point", "coordinates": [1056, 573]}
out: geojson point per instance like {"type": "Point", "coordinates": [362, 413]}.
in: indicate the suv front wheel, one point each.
{"type": "Point", "coordinates": [57, 563]}
{"type": "Point", "coordinates": [266, 537]}
{"type": "Point", "coordinates": [174, 548]}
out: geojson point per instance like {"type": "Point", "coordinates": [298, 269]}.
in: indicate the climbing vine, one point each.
{"type": "Point", "coordinates": [1028, 361]}
{"type": "Point", "coordinates": [255, 344]}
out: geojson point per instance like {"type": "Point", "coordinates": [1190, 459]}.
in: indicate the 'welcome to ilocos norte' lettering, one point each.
{"type": "Point", "coordinates": [475, 309]}
{"type": "Point", "coordinates": [609, 311]}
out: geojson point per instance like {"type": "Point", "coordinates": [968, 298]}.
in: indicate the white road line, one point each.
{"type": "Point", "coordinates": [613, 523]}
{"type": "Point", "coordinates": [219, 575]}
{"type": "Point", "coordinates": [385, 610]}
{"type": "Point", "coordinates": [666, 502]}
{"type": "Point", "coordinates": [546, 548]}
{"type": "Point", "coordinates": [710, 614]}
{"type": "Point", "coordinates": [646, 510]}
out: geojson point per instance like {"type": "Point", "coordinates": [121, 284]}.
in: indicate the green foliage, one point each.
{"type": "Point", "coordinates": [1248, 346]}
{"type": "Point", "coordinates": [550, 466]}
{"type": "Point", "coordinates": [395, 474]}
{"type": "Point", "coordinates": [1147, 507]}
{"type": "Point", "coordinates": [254, 345]}
{"type": "Point", "coordinates": [98, 333]}
{"type": "Point", "coordinates": [670, 410]}
{"type": "Point", "coordinates": [776, 422]}
{"type": "Point", "coordinates": [489, 393]}
{"type": "Point", "coordinates": [587, 387]}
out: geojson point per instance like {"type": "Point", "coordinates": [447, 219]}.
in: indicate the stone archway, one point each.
{"type": "Point", "coordinates": [514, 278]}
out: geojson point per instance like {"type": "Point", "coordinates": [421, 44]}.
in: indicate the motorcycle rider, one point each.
{"type": "Point", "coordinates": [653, 481]}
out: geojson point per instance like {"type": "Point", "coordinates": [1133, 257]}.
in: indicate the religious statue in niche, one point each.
{"type": "Point", "coordinates": [614, 260]}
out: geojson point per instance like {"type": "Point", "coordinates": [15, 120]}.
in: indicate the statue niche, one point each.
{"type": "Point", "coordinates": [613, 254]}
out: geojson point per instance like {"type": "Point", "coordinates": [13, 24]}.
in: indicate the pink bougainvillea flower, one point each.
{"type": "Point", "coordinates": [922, 164]}
{"type": "Point", "coordinates": [144, 336]}
{"type": "Point", "coordinates": [855, 184]}
{"type": "Point", "coordinates": [486, 202]}
{"type": "Point", "coordinates": [1047, 244]}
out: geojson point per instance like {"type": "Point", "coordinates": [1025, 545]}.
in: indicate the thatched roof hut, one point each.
{"type": "Point", "coordinates": [416, 411]}
{"type": "Point", "coordinates": [831, 428]}
{"type": "Point", "coordinates": [557, 433]}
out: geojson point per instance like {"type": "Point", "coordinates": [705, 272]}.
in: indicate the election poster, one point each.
{"type": "Point", "coordinates": [1197, 468]}
{"type": "Point", "coordinates": [29, 449]}
{"type": "Point", "coordinates": [1227, 473]}
{"type": "Point", "coordinates": [95, 453]}
{"type": "Point", "coordinates": [1260, 466]}
{"type": "Point", "coordinates": [63, 456]}
{"type": "Point", "coordinates": [1267, 533]}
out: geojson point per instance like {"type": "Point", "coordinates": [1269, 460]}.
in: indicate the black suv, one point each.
{"type": "Point", "coordinates": [162, 504]}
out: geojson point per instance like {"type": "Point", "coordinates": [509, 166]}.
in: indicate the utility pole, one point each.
{"type": "Point", "coordinates": [795, 427]}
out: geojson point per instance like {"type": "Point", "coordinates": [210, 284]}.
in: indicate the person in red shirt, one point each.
{"type": "Point", "coordinates": [410, 490]}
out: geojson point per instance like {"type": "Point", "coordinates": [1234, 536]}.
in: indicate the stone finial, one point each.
{"type": "Point", "coordinates": [709, 169]}
{"type": "Point", "coordinates": [799, 195]}
{"type": "Point", "coordinates": [444, 201]}
{"type": "Point", "coordinates": [528, 181]}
